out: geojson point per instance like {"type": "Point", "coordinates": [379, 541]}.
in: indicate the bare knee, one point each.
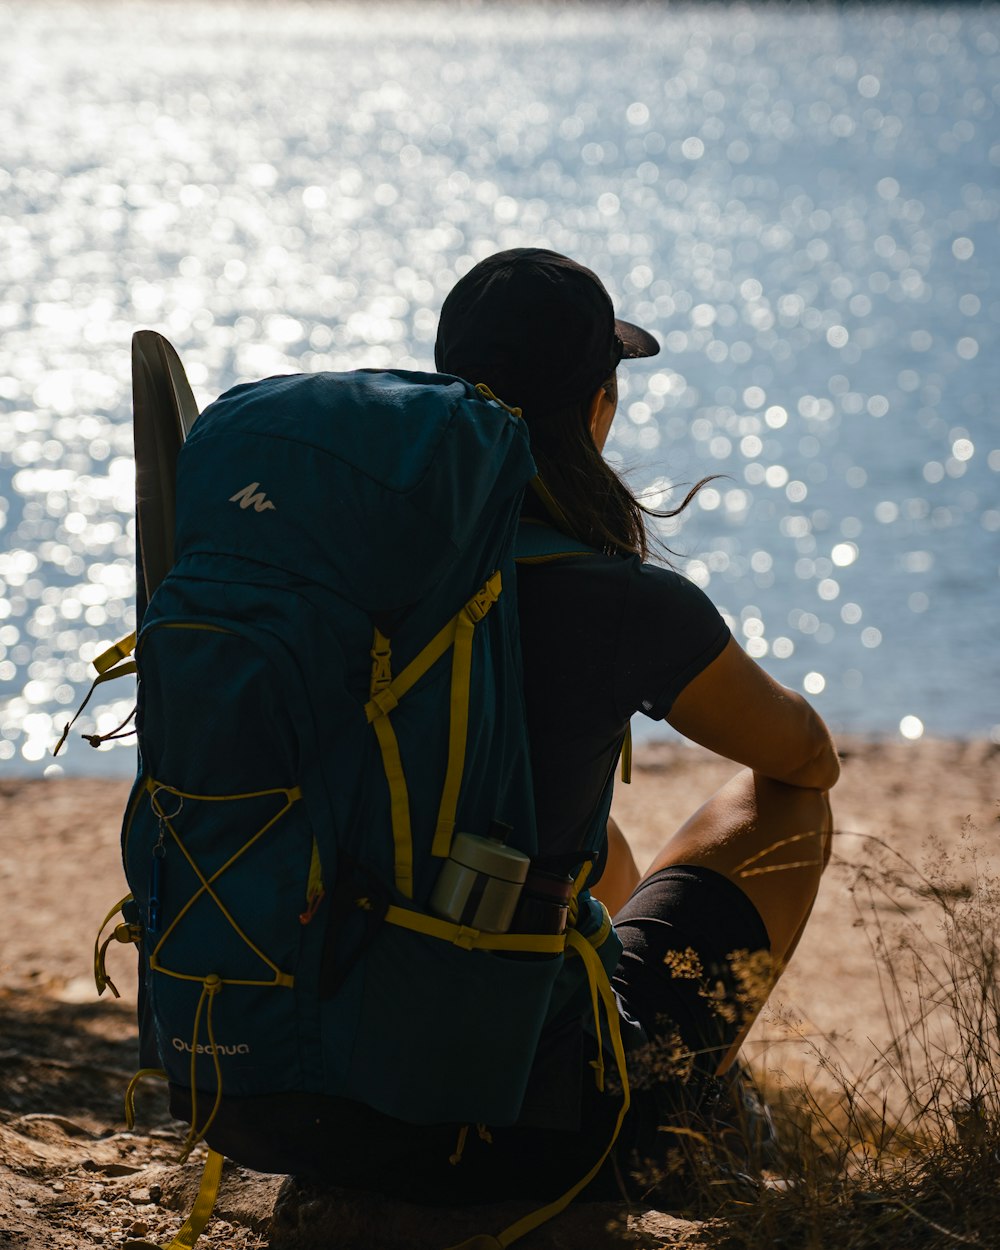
{"type": "Point", "coordinates": [770, 839]}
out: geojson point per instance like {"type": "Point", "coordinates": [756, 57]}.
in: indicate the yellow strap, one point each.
{"type": "Point", "coordinates": [141, 1075]}
{"type": "Point", "coordinates": [578, 883]}
{"type": "Point", "coordinates": [384, 699]}
{"type": "Point", "coordinates": [458, 732]}
{"type": "Point", "coordinates": [101, 978]}
{"type": "Point", "coordinates": [627, 756]}
{"type": "Point", "coordinates": [399, 804]}
{"type": "Point", "coordinates": [118, 651]}
{"type": "Point", "coordinates": [204, 1204]}
{"type": "Point", "coordinates": [434, 650]}
{"type": "Point", "coordinates": [386, 694]}
{"type": "Point", "coordinates": [416, 668]}
{"type": "Point", "coordinates": [123, 670]}
{"type": "Point", "coordinates": [475, 939]}
{"type": "Point", "coordinates": [210, 987]}
{"type": "Point", "coordinates": [598, 978]}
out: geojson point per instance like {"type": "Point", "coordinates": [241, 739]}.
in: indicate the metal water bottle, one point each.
{"type": "Point", "coordinates": [480, 881]}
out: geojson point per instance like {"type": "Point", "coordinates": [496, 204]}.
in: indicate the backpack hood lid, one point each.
{"type": "Point", "coordinates": [372, 483]}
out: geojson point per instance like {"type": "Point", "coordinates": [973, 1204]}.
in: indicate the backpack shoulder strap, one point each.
{"type": "Point", "coordinates": [537, 542]}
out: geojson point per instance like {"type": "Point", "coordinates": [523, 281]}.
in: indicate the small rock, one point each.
{"type": "Point", "coordinates": [139, 1228]}
{"type": "Point", "coordinates": [155, 1193]}
{"type": "Point", "coordinates": [119, 1169]}
{"type": "Point", "coordinates": [136, 1243]}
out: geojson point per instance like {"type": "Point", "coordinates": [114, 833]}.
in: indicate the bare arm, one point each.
{"type": "Point", "coordinates": [736, 709]}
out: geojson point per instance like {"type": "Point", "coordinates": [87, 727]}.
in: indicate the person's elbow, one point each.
{"type": "Point", "coordinates": [819, 766]}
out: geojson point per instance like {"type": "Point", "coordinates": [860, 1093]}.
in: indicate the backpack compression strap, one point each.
{"type": "Point", "coordinates": [386, 692]}
{"type": "Point", "coordinates": [538, 542]}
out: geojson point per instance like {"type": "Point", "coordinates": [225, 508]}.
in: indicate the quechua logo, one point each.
{"type": "Point", "coordinates": [252, 496]}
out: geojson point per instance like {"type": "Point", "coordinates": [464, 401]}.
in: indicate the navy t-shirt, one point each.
{"type": "Point", "coordinates": [603, 637]}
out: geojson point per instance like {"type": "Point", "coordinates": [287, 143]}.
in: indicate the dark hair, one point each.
{"type": "Point", "coordinates": [582, 494]}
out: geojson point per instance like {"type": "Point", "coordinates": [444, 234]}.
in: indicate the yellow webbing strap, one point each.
{"type": "Point", "coordinates": [385, 695]}
{"type": "Point", "coordinates": [458, 731]}
{"type": "Point", "coordinates": [117, 651]}
{"type": "Point", "coordinates": [390, 695]}
{"type": "Point", "coordinates": [578, 883]}
{"type": "Point", "coordinates": [627, 756]}
{"type": "Point", "coordinates": [204, 1204]}
{"type": "Point", "coordinates": [399, 805]}
{"type": "Point", "coordinates": [601, 987]}
{"type": "Point", "coordinates": [382, 698]}
{"type": "Point", "coordinates": [475, 939]}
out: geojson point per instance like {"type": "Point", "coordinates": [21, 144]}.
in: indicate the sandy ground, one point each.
{"type": "Point", "coordinates": [71, 1176]}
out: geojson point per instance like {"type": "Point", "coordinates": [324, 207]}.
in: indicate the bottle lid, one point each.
{"type": "Point", "coordinates": [489, 856]}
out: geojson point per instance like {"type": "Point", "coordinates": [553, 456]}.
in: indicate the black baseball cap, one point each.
{"type": "Point", "coordinates": [536, 327]}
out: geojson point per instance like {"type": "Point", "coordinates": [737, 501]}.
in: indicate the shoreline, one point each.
{"type": "Point", "coordinates": [17, 772]}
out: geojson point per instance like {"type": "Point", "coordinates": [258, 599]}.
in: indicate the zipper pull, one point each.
{"type": "Point", "coordinates": [159, 854]}
{"type": "Point", "coordinates": [315, 890]}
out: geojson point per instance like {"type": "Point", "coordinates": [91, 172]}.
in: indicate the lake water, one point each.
{"type": "Point", "coordinates": [802, 204]}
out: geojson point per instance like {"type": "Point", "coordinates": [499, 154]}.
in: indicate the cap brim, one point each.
{"type": "Point", "coordinates": [636, 342]}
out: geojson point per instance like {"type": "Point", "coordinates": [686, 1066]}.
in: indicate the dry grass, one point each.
{"type": "Point", "coordinates": [905, 1152]}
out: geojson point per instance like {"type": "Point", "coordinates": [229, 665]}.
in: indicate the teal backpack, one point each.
{"type": "Point", "coordinates": [330, 689]}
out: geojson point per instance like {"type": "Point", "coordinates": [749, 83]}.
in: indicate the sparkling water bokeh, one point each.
{"type": "Point", "coordinates": [802, 203]}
